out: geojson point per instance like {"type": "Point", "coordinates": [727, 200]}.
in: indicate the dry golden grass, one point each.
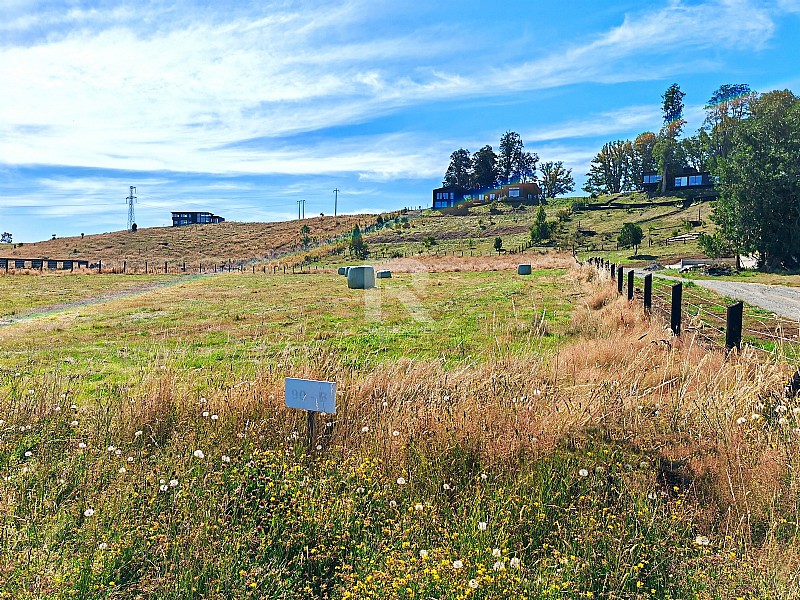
{"type": "Point", "coordinates": [502, 262]}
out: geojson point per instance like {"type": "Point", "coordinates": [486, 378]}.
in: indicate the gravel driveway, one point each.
{"type": "Point", "coordinates": [779, 299]}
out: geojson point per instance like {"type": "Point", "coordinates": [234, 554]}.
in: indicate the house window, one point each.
{"type": "Point", "coordinates": [652, 178]}
{"type": "Point", "coordinates": [513, 192]}
{"type": "Point", "coordinates": [452, 195]}
{"type": "Point", "coordinates": [681, 181]}
{"type": "Point", "coordinates": [695, 180]}
{"type": "Point", "coordinates": [492, 196]}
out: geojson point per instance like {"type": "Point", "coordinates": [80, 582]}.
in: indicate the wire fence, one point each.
{"type": "Point", "coordinates": [692, 310]}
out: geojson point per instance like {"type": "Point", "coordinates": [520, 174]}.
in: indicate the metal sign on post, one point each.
{"type": "Point", "coordinates": [312, 396]}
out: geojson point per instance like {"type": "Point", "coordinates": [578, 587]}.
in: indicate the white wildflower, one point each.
{"type": "Point", "coordinates": [199, 454]}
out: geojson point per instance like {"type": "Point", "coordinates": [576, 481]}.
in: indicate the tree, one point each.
{"type": "Point", "coordinates": [540, 229]}
{"type": "Point", "coordinates": [498, 244]}
{"type": "Point", "coordinates": [513, 162]}
{"type": "Point", "coordinates": [610, 170]}
{"type": "Point", "coordinates": [643, 161]}
{"type": "Point", "coordinates": [5, 238]}
{"type": "Point", "coordinates": [305, 239]}
{"type": "Point", "coordinates": [695, 151]}
{"type": "Point", "coordinates": [484, 168]}
{"type": "Point", "coordinates": [630, 235]}
{"type": "Point", "coordinates": [358, 247]}
{"type": "Point", "coordinates": [459, 171]}
{"type": "Point", "coordinates": [759, 183]}
{"type": "Point", "coordinates": [728, 106]}
{"type": "Point", "coordinates": [556, 180]}
{"type": "Point", "coordinates": [666, 149]}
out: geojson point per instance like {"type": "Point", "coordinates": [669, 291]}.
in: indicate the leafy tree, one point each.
{"type": "Point", "coordinates": [305, 239]}
{"type": "Point", "coordinates": [358, 247]}
{"type": "Point", "coordinates": [610, 171]}
{"type": "Point", "coordinates": [429, 242]}
{"type": "Point", "coordinates": [556, 180]}
{"type": "Point", "coordinates": [484, 168]}
{"type": "Point", "coordinates": [459, 170]}
{"type": "Point", "coordinates": [514, 163]}
{"type": "Point", "coordinates": [498, 244]}
{"type": "Point", "coordinates": [667, 149]}
{"type": "Point", "coordinates": [630, 235]}
{"type": "Point", "coordinates": [695, 151]}
{"type": "Point", "coordinates": [759, 183]}
{"type": "Point", "coordinates": [540, 229]}
{"type": "Point", "coordinates": [727, 107]}
{"type": "Point", "coordinates": [5, 238]}
{"type": "Point", "coordinates": [643, 161]}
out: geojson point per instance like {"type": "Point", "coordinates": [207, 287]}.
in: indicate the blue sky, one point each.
{"type": "Point", "coordinates": [243, 108]}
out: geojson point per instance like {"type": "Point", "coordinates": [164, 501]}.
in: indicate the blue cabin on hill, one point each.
{"type": "Point", "coordinates": [194, 218]}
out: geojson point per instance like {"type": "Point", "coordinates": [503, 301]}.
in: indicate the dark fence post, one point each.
{"type": "Point", "coordinates": [165, 267]}
{"type": "Point", "coordinates": [630, 284]}
{"type": "Point", "coordinates": [675, 313]}
{"type": "Point", "coordinates": [124, 266]}
{"type": "Point", "coordinates": [99, 266]}
{"type": "Point", "coordinates": [146, 267]}
{"type": "Point", "coordinates": [733, 326]}
{"type": "Point", "coordinates": [613, 271]}
{"type": "Point", "coordinates": [648, 292]}
{"type": "Point", "coordinates": [620, 277]}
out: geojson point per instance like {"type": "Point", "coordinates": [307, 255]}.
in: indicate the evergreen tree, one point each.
{"type": "Point", "coordinates": [459, 171]}
{"type": "Point", "coordinates": [358, 247]}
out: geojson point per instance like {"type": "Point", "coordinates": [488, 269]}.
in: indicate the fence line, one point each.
{"type": "Point", "coordinates": [727, 323]}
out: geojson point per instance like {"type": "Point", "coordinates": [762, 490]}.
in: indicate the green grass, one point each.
{"type": "Point", "coordinates": [494, 438]}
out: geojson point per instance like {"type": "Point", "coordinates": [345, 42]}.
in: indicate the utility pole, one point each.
{"type": "Point", "coordinates": [298, 209]}
{"type": "Point", "coordinates": [335, 200]}
{"type": "Point", "coordinates": [130, 200]}
{"type": "Point", "coordinates": [299, 204]}
{"type": "Point", "coordinates": [304, 208]}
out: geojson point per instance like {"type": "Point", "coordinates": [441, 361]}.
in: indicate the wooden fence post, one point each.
{"type": "Point", "coordinates": [165, 267]}
{"type": "Point", "coordinates": [675, 312]}
{"type": "Point", "coordinates": [648, 292]}
{"type": "Point", "coordinates": [620, 277]}
{"type": "Point", "coordinates": [613, 271]}
{"type": "Point", "coordinates": [733, 326]}
{"type": "Point", "coordinates": [630, 284]}
{"type": "Point", "coordinates": [99, 266]}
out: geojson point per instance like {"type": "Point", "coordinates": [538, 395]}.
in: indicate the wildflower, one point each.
{"type": "Point", "coordinates": [73, 407]}
{"type": "Point", "coordinates": [226, 458]}
{"type": "Point", "coordinates": [319, 446]}
{"type": "Point", "coordinates": [418, 507]}
{"type": "Point", "coordinates": [2, 422]}
{"type": "Point", "coordinates": [583, 473]}
{"type": "Point", "coordinates": [496, 553]}
{"type": "Point", "coordinates": [364, 429]}
{"type": "Point", "coordinates": [473, 583]}
{"type": "Point", "coordinates": [755, 417]}
{"type": "Point", "coordinates": [199, 454]}
{"type": "Point", "coordinates": [484, 476]}
{"type": "Point", "coordinates": [514, 562]}
{"type": "Point", "coordinates": [173, 483]}
{"type": "Point", "coordinates": [446, 486]}
{"type": "Point", "coordinates": [138, 433]}
{"type": "Point", "coordinates": [102, 546]}
{"type": "Point", "coordinates": [423, 554]}
{"type": "Point", "coordinates": [702, 540]}
{"type": "Point", "coordinates": [81, 445]}
{"type": "Point", "coordinates": [359, 490]}
{"type": "Point", "coordinates": [780, 408]}
{"type": "Point", "coordinates": [163, 487]}
{"type": "Point", "coordinates": [783, 421]}
{"type": "Point", "coordinates": [401, 481]}
{"type": "Point", "coordinates": [482, 526]}
{"type": "Point", "coordinates": [73, 423]}
{"type": "Point", "coordinates": [537, 392]}
{"type": "Point", "coordinates": [457, 564]}
{"type": "Point", "coordinates": [122, 471]}
{"type": "Point", "coordinates": [130, 459]}
{"type": "Point", "coordinates": [796, 410]}
{"type": "Point", "coordinates": [395, 433]}
{"type": "Point", "coordinates": [88, 512]}
{"type": "Point", "coordinates": [28, 454]}
{"type": "Point", "coordinates": [741, 420]}
{"type": "Point", "coordinates": [499, 566]}
{"type": "Point", "coordinates": [392, 503]}
{"type": "Point", "coordinates": [111, 448]}
{"type": "Point", "coordinates": [205, 414]}
{"type": "Point", "coordinates": [214, 417]}
{"type": "Point", "coordinates": [117, 452]}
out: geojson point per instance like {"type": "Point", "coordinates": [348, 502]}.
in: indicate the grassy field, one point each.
{"type": "Point", "coordinates": [496, 436]}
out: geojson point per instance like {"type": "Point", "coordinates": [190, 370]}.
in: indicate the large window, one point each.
{"type": "Point", "coordinates": [652, 178]}
{"type": "Point", "coordinates": [681, 181]}
{"type": "Point", "coordinates": [513, 192]}
{"type": "Point", "coordinates": [695, 180]}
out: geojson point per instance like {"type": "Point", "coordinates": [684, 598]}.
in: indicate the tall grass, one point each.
{"type": "Point", "coordinates": [624, 464]}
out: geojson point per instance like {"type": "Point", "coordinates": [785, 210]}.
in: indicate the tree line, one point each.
{"type": "Point", "coordinates": [487, 169]}
{"type": "Point", "coordinates": [749, 142]}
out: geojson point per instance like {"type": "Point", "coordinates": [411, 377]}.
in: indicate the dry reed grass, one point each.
{"type": "Point", "coordinates": [502, 262]}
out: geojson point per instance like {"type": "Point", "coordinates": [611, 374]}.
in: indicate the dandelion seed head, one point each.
{"type": "Point", "coordinates": [214, 417]}
{"type": "Point", "coordinates": [418, 507]}
{"type": "Point", "coordinates": [122, 471]}
{"type": "Point", "coordinates": [173, 483]}
{"type": "Point", "coordinates": [206, 413]}
{"type": "Point", "coordinates": [73, 423]}
{"type": "Point", "coordinates": [583, 473]}
{"type": "Point", "coordinates": [88, 512]}
{"type": "Point", "coordinates": [163, 487]}
{"type": "Point", "coordinates": [111, 448]}
{"type": "Point", "coordinates": [395, 433]}
{"type": "Point", "coordinates": [401, 481]}
{"type": "Point", "coordinates": [364, 429]}
{"type": "Point", "coordinates": [198, 454]}
{"type": "Point", "coordinates": [755, 417]}
{"type": "Point", "coordinates": [28, 454]}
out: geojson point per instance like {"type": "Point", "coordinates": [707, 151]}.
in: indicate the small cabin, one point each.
{"type": "Point", "coordinates": [194, 218]}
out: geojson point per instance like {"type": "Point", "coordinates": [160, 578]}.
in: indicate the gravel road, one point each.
{"type": "Point", "coordinates": [779, 299]}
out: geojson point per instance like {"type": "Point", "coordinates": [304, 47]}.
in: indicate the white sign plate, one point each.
{"type": "Point", "coordinates": [308, 394]}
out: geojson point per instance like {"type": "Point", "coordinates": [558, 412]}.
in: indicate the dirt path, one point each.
{"type": "Point", "coordinates": [781, 300]}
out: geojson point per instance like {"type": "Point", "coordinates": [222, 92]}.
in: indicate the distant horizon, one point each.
{"type": "Point", "coordinates": [243, 110]}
